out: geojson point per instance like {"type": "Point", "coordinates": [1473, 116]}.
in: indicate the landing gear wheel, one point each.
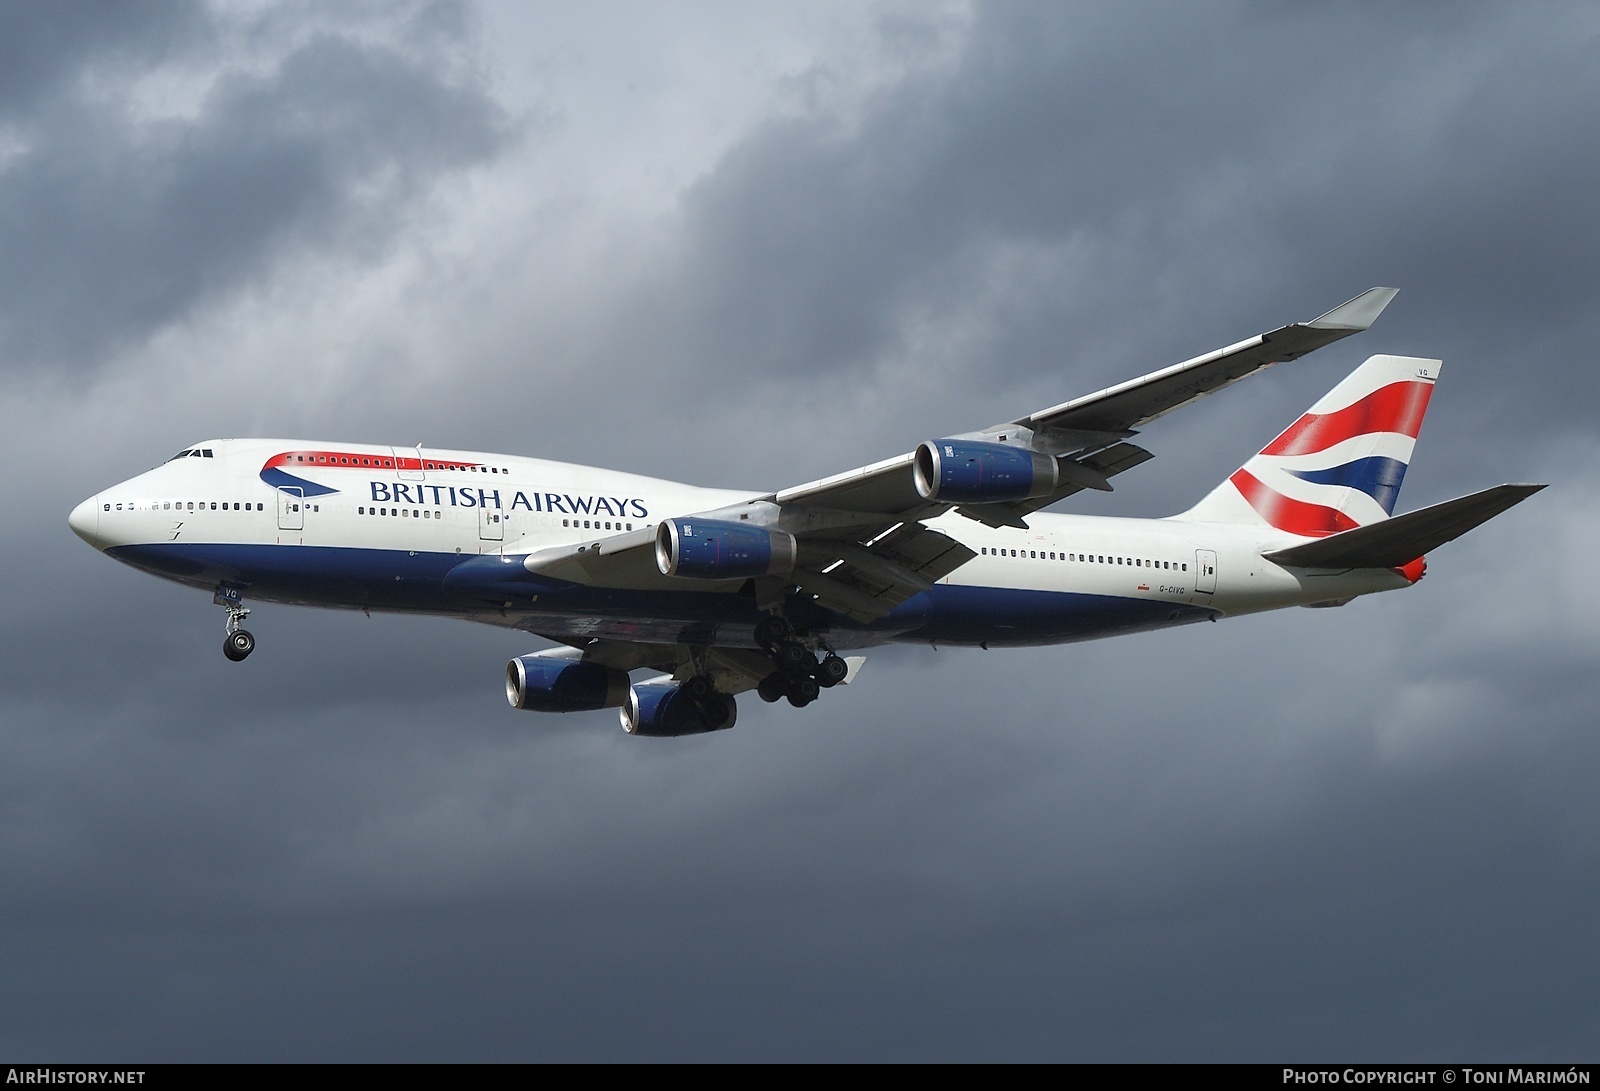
{"type": "Point", "coordinates": [772, 687]}
{"type": "Point", "coordinates": [238, 645]}
{"type": "Point", "coordinates": [832, 671]}
{"type": "Point", "coordinates": [699, 687]}
{"type": "Point", "coordinates": [794, 658]}
{"type": "Point", "coordinates": [802, 691]}
{"type": "Point", "coordinates": [771, 631]}
{"type": "Point", "coordinates": [718, 711]}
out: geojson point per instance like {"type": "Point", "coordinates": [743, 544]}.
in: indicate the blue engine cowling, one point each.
{"type": "Point", "coordinates": [709, 549]}
{"type": "Point", "coordinates": [541, 683]}
{"type": "Point", "coordinates": [961, 471]}
{"type": "Point", "coordinates": [664, 710]}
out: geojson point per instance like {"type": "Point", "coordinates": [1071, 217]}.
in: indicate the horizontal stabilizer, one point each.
{"type": "Point", "coordinates": [1394, 542]}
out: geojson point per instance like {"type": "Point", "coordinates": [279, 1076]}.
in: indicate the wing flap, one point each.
{"type": "Point", "coordinates": [734, 669]}
{"type": "Point", "coordinates": [1402, 539]}
{"type": "Point", "coordinates": [905, 561]}
{"type": "Point", "coordinates": [1105, 464]}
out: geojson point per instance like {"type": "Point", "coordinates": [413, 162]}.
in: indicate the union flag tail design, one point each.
{"type": "Point", "coordinates": [1341, 464]}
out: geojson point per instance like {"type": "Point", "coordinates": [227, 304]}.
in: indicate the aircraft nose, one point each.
{"type": "Point", "coordinates": [85, 521]}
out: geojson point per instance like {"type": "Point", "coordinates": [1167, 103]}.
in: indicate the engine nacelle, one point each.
{"type": "Point", "coordinates": [664, 710]}
{"type": "Point", "coordinates": [961, 471]}
{"type": "Point", "coordinates": [709, 549]}
{"type": "Point", "coordinates": [542, 683]}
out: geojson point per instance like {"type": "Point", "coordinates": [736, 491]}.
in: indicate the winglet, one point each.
{"type": "Point", "coordinates": [1358, 314]}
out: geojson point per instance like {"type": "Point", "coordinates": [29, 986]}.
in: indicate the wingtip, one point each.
{"type": "Point", "coordinates": [1359, 313]}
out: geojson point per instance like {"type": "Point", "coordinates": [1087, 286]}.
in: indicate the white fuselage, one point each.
{"type": "Point", "coordinates": [381, 527]}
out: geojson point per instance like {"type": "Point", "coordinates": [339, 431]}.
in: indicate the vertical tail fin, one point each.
{"type": "Point", "coordinates": [1341, 464]}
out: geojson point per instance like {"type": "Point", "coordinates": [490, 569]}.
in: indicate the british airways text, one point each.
{"type": "Point", "coordinates": [398, 492]}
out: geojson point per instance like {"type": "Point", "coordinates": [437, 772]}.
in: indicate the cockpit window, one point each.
{"type": "Point", "coordinates": [181, 454]}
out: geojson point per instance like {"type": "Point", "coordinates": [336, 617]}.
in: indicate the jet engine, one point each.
{"type": "Point", "coordinates": [709, 549]}
{"type": "Point", "coordinates": [665, 710]}
{"type": "Point", "coordinates": [959, 471]}
{"type": "Point", "coordinates": [544, 683]}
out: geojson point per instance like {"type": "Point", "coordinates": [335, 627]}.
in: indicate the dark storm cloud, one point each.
{"type": "Point", "coordinates": [44, 48]}
{"type": "Point", "coordinates": [1192, 173]}
{"type": "Point", "coordinates": [113, 225]}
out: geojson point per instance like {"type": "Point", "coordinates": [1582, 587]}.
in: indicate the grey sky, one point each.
{"type": "Point", "coordinates": [745, 245]}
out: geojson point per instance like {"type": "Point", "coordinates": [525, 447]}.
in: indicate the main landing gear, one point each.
{"type": "Point", "coordinates": [237, 643]}
{"type": "Point", "coordinates": [797, 674]}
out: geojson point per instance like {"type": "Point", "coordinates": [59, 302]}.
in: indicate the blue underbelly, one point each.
{"type": "Point", "coordinates": [403, 580]}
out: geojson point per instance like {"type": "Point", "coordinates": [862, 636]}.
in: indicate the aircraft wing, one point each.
{"type": "Point", "coordinates": [863, 549]}
{"type": "Point", "coordinates": [735, 669]}
{"type": "Point", "coordinates": [1076, 430]}
{"type": "Point", "coordinates": [1137, 401]}
{"type": "Point", "coordinates": [861, 544]}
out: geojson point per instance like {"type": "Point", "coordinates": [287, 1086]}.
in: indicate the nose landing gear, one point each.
{"type": "Point", "coordinates": [237, 643]}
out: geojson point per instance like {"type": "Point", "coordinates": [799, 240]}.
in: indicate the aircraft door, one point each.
{"type": "Point", "coordinates": [1205, 571]}
{"type": "Point", "coordinates": [408, 463]}
{"type": "Point", "coordinates": [291, 508]}
{"type": "Point", "coordinates": [491, 524]}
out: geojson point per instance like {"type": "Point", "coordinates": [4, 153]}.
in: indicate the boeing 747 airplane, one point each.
{"type": "Point", "coordinates": [715, 592]}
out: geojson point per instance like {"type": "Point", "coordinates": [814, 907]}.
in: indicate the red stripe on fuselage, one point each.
{"type": "Point", "coordinates": [1397, 407]}
{"type": "Point", "coordinates": [1287, 513]}
{"type": "Point", "coordinates": [347, 460]}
